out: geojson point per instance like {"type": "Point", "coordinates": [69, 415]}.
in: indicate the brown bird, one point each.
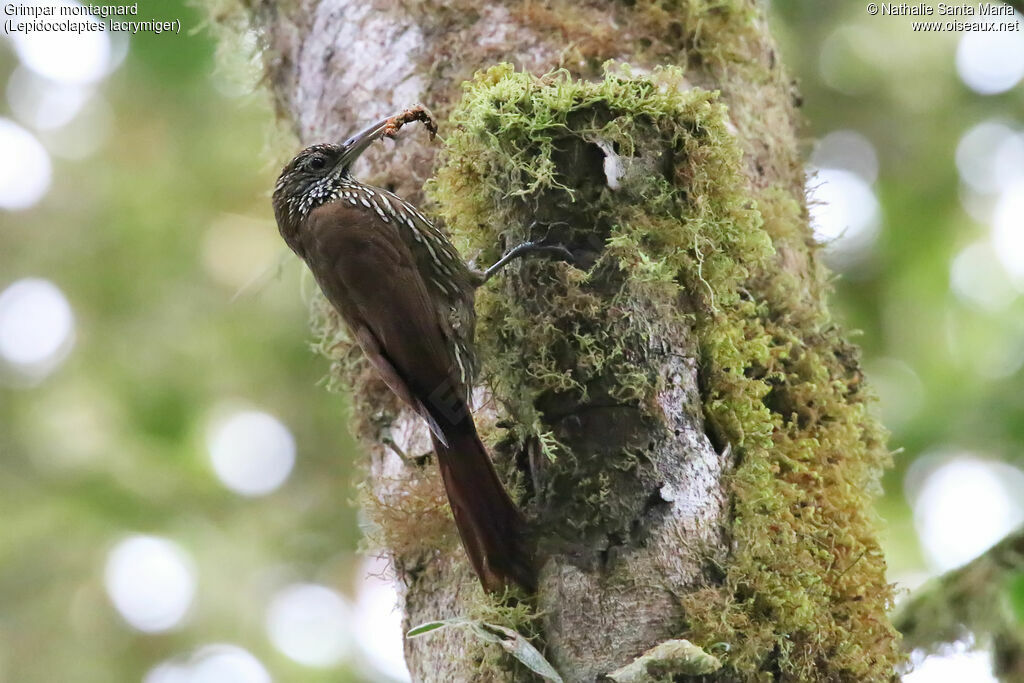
{"type": "Point", "coordinates": [407, 297]}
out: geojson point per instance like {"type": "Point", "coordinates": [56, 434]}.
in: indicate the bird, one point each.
{"type": "Point", "coordinates": [407, 297]}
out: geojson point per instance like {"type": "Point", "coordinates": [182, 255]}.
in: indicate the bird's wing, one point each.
{"type": "Point", "coordinates": [370, 276]}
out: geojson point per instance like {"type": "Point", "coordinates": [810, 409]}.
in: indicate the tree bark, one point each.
{"type": "Point", "coordinates": [683, 423]}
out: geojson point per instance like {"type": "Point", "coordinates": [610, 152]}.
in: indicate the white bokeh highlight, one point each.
{"type": "Point", "coordinates": [979, 280]}
{"type": "Point", "coordinates": [64, 56]}
{"type": "Point", "coordinates": [954, 667]}
{"type": "Point", "coordinates": [36, 327]}
{"type": "Point", "coordinates": [218, 663]}
{"type": "Point", "coordinates": [844, 214]}
{"type": "Point", "coordinates": [311, 624]}
{"type": "Point", "coordinates": [1008, 231]}
{"type": "Point", "coordinates": [227, 664]}
{"type": "Point", "coordinates": [990, 157]}
{"type": "Point", "coordinates": [847, 150]}
{"type": "Point", "coordinates": [41, 103]}
{"type": "Point", "coordinates": [25, 169]}
{"type": "Point", "coordinates": [252, 452]}
{"type": "Point", "coordinates": [151, 581]}
{"type": "Point", "coordinates": [991, 62]}
{"type": "Point", "coordinates": [963, 505]}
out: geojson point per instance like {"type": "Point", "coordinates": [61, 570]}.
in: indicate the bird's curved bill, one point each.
{"type": "Point", "coordinates": [357, 144]}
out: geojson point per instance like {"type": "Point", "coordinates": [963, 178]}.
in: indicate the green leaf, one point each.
{"type": "Point", "coordinates": [517, 646]}
{"type": "Point", "coordinates": [431, 626]}
{"type": "Point", "coordinates": [510, 641]}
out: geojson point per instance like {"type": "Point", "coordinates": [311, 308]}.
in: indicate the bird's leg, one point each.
{"type": "Point", "coordinates": [526, 249]}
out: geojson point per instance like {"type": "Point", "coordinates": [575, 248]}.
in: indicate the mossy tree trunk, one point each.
{"type": "Point", "coordinates": [679, 416]}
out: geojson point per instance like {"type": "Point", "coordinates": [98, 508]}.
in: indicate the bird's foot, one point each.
{"type": "Point", "coordinates": [541, 246]}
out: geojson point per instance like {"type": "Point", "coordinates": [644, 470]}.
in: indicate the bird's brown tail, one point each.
{"type": "Point", "coordinates": [492, 529]}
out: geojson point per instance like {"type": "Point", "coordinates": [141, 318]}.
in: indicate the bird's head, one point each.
{"type": "Point", "coordinates": [313, 176]}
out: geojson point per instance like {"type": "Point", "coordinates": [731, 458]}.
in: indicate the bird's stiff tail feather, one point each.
{"type": "Point", "coordinates": [492, 529]}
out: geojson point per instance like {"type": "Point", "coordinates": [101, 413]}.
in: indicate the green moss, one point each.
{"type": "Point", "coordinates": [685, 243]}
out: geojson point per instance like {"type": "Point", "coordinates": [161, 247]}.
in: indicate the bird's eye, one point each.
{"type": "Point", "coordinates": [317, 163]}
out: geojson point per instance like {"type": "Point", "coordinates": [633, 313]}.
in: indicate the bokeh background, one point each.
{"type": "Point", "coordinates": [176, 483]}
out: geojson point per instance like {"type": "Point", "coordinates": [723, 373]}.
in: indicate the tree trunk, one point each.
{"type": "Point", "coordinates": [683, 423]}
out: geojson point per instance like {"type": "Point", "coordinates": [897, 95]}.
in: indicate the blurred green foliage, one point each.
{"type": "Point", "coordinates": [113, 442]}
{"type": "Point", "coordinates": [1016, 591]}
